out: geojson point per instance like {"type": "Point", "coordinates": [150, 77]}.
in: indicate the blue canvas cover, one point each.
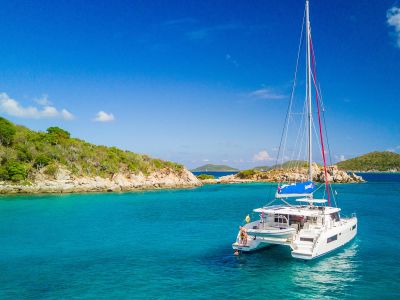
{"type": "Point", "coordinates": [299, 188]}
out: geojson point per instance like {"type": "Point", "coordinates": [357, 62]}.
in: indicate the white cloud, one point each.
{"type": "Point", "coordinates": [342, 158]}
{"type": "Point", "coordinates": [225, 160]}
{"type": "Point", "coordinates": [267, 94]}
{"type": "Point", "coordinates": [44, 100]}
{"type": "Point", "coordinates": [66, 114]}
{"type": "Point", "coordinates": [263, 155]}
{"type": "Point", "coordinates": [102, 116]}
{"type": "Point", "coordinates": [206, 160]}
{"type": "Point", "coordinates": [393, 19]}
{"type": "Point", "coordinates": [15, 109]}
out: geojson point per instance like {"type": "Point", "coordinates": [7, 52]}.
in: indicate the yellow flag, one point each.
{"type": "Point", "coordinates": [247, 219]}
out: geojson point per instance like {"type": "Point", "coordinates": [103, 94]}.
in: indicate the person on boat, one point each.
{"type": "Point", "coordinates": [243, 236]}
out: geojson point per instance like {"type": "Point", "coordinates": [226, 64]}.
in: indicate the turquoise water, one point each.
{"type": "Point", "coordinates": [215, 174]}
{"type": "Point", "coordinates": [177, 245]}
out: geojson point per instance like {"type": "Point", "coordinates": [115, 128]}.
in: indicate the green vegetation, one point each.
{"type": "Point", "coordinates": [247, 173]}
{"type": "Point", "coordinates": [379, 161]}
{"type": "Point", "coordinates": [24, 153]}
{"type": "Point", "coordinates": [7, 132]}
{"type": "Point", "coordinates": [214, 168]}
{"type": "Point", "coordinates": [205, 176]}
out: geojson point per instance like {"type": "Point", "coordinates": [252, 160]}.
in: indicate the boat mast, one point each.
{"type": "Point", "coordinates": [308, 94]}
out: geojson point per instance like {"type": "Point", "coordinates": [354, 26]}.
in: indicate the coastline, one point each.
{"type": "Point", "coordinates": [334, 175]}
{"type": "Point", "coordinates": [64, 183]}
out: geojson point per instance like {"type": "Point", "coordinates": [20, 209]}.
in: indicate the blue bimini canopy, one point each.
{"type": "Point", "coordinates": [296, 189]}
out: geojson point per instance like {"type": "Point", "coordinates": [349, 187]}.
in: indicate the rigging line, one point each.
{"type": "Point", "coordinates": [303, 131]}
{"type": "Point", "coordinates": [303, 135]}
{"type": "Point", "coordinates": [328, 144]}
{"type": "Point", "coordinates": [293, 88]}
{"type": "Point", "coordinates": [292, 93]}
{"type": "Point", "coordinates": [299, 131]}
{"type": "Point", "coordinates": [300, 134]}
{"type": "Point", "coordinates": [327, 137]}
{"type": "Point", "coordinates": [319, 121]}
{"type": "Point", "coordinates": [323, 117]}
{"type": "Point", "coordinates": [326, 129]}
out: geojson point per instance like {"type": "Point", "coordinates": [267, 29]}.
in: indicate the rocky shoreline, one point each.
{"type": "Point", "coordinates": [289, 175]}
{"type": "Point", "coordinates": [64, 182]}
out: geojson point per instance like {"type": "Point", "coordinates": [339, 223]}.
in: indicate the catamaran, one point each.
{"type": "Point", "coordinates": [311, 227]}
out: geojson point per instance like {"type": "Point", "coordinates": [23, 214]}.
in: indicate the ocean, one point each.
{"type": "Point", "coordinates": [215, 174]}
{"type": "Point", "coordinates": [176, 244]}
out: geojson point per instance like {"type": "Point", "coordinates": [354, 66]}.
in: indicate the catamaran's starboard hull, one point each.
{"type": "Point", "coordinates": [330, 241]}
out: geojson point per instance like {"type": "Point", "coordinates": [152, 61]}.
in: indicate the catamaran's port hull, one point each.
{"type": "Point", "coordinates": [279, 234]}
{"type": "Point", "coordinates": [253, 245]}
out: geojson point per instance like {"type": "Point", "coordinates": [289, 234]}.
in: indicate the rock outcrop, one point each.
{"type": "Point", "coordinates": [289, 175]}
{"type": "Point", "coordinates": [64, 182]}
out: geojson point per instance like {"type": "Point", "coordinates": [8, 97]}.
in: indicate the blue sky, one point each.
{"type": "Point", "coordinates": [199, 81]}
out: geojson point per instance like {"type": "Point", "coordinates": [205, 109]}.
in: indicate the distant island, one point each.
{"type": "Point", "coordinates": [214, 168]}
{"type": "Point", "coordinates": [54, 162]}
{"type": "Point", "coordinates": [286, 165]}
{"type": "Point", "coordinates": [288, 175]}
{"type": "Point", "coordinates": [384, 161]}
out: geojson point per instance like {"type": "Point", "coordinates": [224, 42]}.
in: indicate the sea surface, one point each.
{"type": "Point", "coordinates": [215, 174]}
{"type": "Point", "coordinates": [176, 244]}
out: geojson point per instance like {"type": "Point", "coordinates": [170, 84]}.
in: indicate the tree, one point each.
{"type": "Point", "coordinates": [7, 132]}
{"type": "Point", "coordinates": [55, 134]}
{"type": "Point", "coordinates": [58, 132]}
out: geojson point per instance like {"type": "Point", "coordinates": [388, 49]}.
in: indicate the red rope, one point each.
{"type": "Point", "coordinates": [320, 124]}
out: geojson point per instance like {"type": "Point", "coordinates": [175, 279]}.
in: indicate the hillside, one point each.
{"type": "Point", "coordinates": [214, 168]}
{"type": "Point", "coordinates": [385, 161]}
{"type": "Point", "coordinates": [28, 157]}
{"type": "Point", "coordinates": [286, 165]}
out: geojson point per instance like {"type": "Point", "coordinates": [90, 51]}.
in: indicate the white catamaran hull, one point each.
{"type": "Point", "coordinates": [328, 241]}
{"type": "Point", "coordinates": [325, 241]}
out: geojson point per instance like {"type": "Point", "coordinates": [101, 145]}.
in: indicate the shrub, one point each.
{"type": "Point", "coordinates": [24, 154]}
{"type": "Point", "coordinates": [246, 173]}
{"type": "Point", "coordinates": [51, 170]}
{"type": "Point", "coordinates": [17, 171]}
{"type": "Point", "coordinates": [205, 176]}
{"type": "Point", "coordinates": [4, 173]}
{"type": "Point", "coordinates": [41, 161]}
{"type": "Point", "coordinates": [7, 132]}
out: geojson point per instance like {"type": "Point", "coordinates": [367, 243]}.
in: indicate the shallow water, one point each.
{"type": "Point", "coordinates": [177, 245]}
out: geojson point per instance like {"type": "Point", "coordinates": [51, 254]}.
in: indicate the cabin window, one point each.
{"type": "Point", "coordinates": [335, 216]}
{"type": "Point", "coordinates": [354, 227]}
{"type": "Point", "coordinates": [306, 239]}
{"type": "Point", "coordinates": [332, 238]}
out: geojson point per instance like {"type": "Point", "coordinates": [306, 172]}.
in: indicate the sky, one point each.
{"type": "Point", "coordinates": [200, 82]}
